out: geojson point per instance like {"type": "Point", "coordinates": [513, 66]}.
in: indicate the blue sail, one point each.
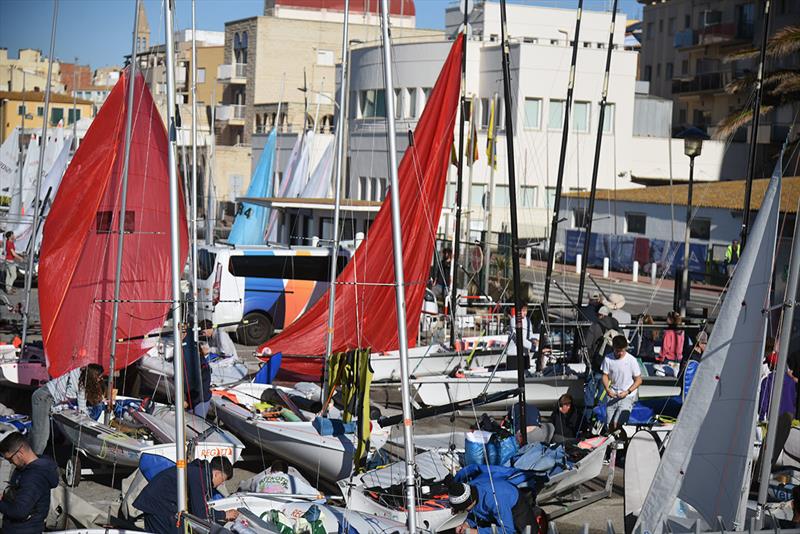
{"type": "Point", "coordinates": [251, 220]}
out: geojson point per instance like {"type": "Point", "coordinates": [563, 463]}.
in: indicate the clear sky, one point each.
{"type": "Point", "coordinates": [98, 32]}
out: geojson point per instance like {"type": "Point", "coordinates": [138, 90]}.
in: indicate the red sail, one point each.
{"type": "Point", "coordinates": [79, 246]}
{"type": "Point", "coordinates": [365, 300]}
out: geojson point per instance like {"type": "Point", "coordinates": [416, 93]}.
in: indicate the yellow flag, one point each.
{"type": "Point", "coordinates": [490, 139]}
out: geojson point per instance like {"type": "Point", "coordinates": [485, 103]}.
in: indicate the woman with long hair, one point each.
{"type": "Point", "coordinates": [672, 344]}
{"type": "Point", "coordinates": [81, 385]}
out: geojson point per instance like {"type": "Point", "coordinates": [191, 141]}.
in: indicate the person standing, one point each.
{"type": "Point", "coordinates": [158, 501]}
{"type": "Point", "coordinates": [198, 375]}
{"type": "Point", "coordinates": [597, 342]}
{"type": "Point", "coordinates": [82, 385]}
{"type": "Point", "coordinates": [673, 341]}
{"type": "Point", "coordinates": [26, 500]}
{"type": "Point", "coordinates": [11, 257]}
{"type": "Point", "coordinates": [527, 340]}
{"type": "Point", "coordinates": [621, 378]}
{"type": "Point", "coordinates": [732, 256]}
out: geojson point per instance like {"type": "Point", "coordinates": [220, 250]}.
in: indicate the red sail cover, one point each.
{"type": "Point", "coordinates": [79, 245]}
{"type": "Point", "coordinates": [365, 301]}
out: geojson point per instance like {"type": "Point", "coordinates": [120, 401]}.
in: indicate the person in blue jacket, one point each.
{"type": "Point", "coordinates": [26, 500]}
{"type": "Point", "coordinates": [198, 375]}
{"type": "Point", "coordinates": [490, 496]}
{"type": "Point", "coordinates": [158, 501]}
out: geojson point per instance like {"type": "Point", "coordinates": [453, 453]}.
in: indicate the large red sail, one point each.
{"type": "Point", "coordinates": [79, 246]}
{"type": "Point", "coordinates": [365, 299]}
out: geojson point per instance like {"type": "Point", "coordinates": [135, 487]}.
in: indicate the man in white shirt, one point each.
{"type": "Point", "coordinates": [621, 378]}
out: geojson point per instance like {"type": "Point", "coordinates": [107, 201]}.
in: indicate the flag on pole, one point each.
{"type": "Point", "coordinates": [490, 138]}
{"type": "Point", "coordinates": [472, 139]}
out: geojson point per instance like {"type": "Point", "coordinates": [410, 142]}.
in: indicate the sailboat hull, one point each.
{"type": "Point", "coordinates": [21, 372]}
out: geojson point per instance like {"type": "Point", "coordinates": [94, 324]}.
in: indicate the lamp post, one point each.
{"type": "Point", "coordinates": [692, 147]}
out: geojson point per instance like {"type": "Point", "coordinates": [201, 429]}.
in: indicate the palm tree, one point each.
{"type": "Point", "coordinates": [780, 86]}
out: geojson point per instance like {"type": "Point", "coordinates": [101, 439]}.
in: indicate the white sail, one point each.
{"type": "Point", "coordinates": [319, 185]}
{"type": "Point", "coordinates": [299, 176]}
{"type": "Point", "coordinates": [49, 187]}
{"type": "Point", "coordinates": [710, 450]}
{"type": "Point", "coordinates": [9, 165]}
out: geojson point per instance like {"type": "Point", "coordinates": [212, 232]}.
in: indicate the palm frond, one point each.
{"type": "Point", "coordinates": [747, 53]}
{"type": "Point", "coordinates": [780, 76]}
{"type": "Point", "coordinates": [739, 85]}
{"type": "Point", "coordinates": [790, 85]}
{"type": "Point", "coordinates": [728, 126]}
{"type": "Point", "coordinates": [785, 42]}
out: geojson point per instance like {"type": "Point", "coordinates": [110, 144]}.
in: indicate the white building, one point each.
{"type": "Point", "coordinates": [635, 150]}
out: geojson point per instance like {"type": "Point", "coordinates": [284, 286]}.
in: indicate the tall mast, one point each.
{"type": "Point", "coordinates": [177, 268]}
{"type": "Point", "coordinates": [21, 160]}
{"type": "Point", "coordinates": [122, 208]}
{"type": "Point", "coordinates": [400, 292]}
{"type": "Point", "coordinates": [210, 160]}
{"type": "Point", "coordinates": [589, 215]}
{"type": "Point", "coordinates": [487, 209]}
{"type": "Point", "coordinates": [337, 195]}
{"type": "Point", "coordinates": [193, 201]}
{"type": "Point", "coordinates": [42, 144]}
{"type": "Point", "coordinates": [459, 183]}
{"type": "Point", "coordinates": [512, 188]}
{"type": "Point", "coordinates": [75, 105]}
{"type": "Point", "coordinates": [751, 162]}
{"type": "Point", "coordinates": [789, 303]}
{"type": "Point", "coordinates": [560, 178]}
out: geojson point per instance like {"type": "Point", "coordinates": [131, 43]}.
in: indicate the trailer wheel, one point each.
{"type": "Point", "coordinates": [72, 471]}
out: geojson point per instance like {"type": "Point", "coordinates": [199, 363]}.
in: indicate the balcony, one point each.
{"type": "Point", "coordinates": [714, 34]}
{"type": "Point", "coordinates": [708, 81]}
{"type": "Point", "coordinates": [233, 114]}
{"type": "Point", "coordinates": [232, 73]}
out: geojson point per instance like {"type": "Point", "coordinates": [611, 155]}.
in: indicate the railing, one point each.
{"type": "Point", "coordinates": [709, 81]}
{"type": "Point", "coordinates": [232, 71]}
{"type": "Point", "coordinates": [228, 112]}
{"type": "Point", "coordinates": [717, 33]}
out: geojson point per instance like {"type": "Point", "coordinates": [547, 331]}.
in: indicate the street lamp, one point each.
{"type": "Point", "coordinates": [692, 146]}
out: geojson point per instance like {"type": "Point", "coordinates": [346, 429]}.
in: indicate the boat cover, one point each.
{"type": "Point", "coordinates": [429, 467]}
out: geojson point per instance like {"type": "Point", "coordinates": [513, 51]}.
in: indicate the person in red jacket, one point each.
{"type": "Point", "coordinates": [672, 342]}
{"type": "Point", "coordinates": [11, 256]}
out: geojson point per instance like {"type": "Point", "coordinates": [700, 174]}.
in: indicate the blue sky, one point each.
{"type": "Point", "coordinates": [98, 32]}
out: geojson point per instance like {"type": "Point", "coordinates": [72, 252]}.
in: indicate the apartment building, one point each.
{"type": "Point", "coordinates": [288, 57]}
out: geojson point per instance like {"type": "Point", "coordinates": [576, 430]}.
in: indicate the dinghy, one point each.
{"type": "Point", "coordinates": [28, 370]}
{"type": "Point", "coordinates": [296, 441]}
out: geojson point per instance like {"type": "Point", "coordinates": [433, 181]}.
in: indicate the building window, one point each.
{"type": "Point", "coordinates": [635, 223]}
{"type": "Point", "coordinates": [682, 116]}
{"type": "Point", "coordinates": [201, 75]}
{"type": "Point", "coordinates": [668, 73]}
{"type": "Point", "coordinates": [398, 104]}
{"type": "Point", "coordinates": [550, 194]}
{"type": "Point", "coordinates": [580, 117]}
{"type": "Point", "coordinates": [649, 32]}
{"type": "Point", "coordinates": [529, 194]}
{"type": "Point", "coordinates": [21, 110]}
{"type": "Point", "coordinates": [476, 195]}
{"type": "Point", "coordinates": [685, 66]}
{"type": "Point", "coordinates": [532, 113]}
{"type": "Point", "coordinates": [412, 102]}
{"type": "Point", "coordinates": [40, 111]}
{"type": "Point", "coordinates": [700, 229]}
{"type": "Point", "coordinates": [375, 189]}
{"type": "Point", "coordinates": [608, 119]}
{"type": "Point", "coordinates": [579, 218]}
{"type": "Point", "coordinates": [648, 73]}
{"type": "Point", "coordinates": [501, 198]}
{"type": "Point", "coordinates": [658, 71]}
{"type": "Point", "coordinates": [555, 120]}
{"type": "Point", "coordinates": [687, 22]}
{"type": "Point", "coordinates": [373, 103]}
{"type": "Point", "coordinates": [661, 26]}
{"type": "Point", "coordinates": [73, 115]}
{"type": "Point", "coordinates": [325, 58]}
{"type": "Point", "coordinates": [450, 194]}
{"type": "Point", "coordinates": [363, 188]}
{"type": "Point", "coordinates": [671, 26]}
{"type": "Point", "coordinates": [56, 116]}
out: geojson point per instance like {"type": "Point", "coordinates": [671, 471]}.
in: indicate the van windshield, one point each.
{"type": "Point", "coordinates": [316, 268]}
{"type": "Point", "coordinates": [205, 263]}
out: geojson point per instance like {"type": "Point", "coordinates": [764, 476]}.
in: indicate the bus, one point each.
{"type": "Point", "coordinates": [267, 288]}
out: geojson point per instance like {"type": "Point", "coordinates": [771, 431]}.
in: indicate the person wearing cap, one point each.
{"type": "Point", "coordinates": [589, 312]}
{"type": "Point", "coordinates": [490, 498]}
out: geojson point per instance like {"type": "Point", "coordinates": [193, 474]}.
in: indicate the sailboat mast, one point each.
{"type": "Point", "coordinates": [551, 254]}
{"type": "Point", "coordinates": [512, 188]}
{"type": "Point", "coordinates": [589, 214]}
{"type": "Point", "coordinates": [489, 198]}
{"type": "Point", "coordinates": [75, 105]}
{"type": "Point", "coordinates": [193, 201]}
{"type": "Point", "coordinates": [397, 249]}
{"type": "Point", "coordinates": [176, 267]}
{"type": "Point", "coordinates": [337, 195]}
{"type": "Point", "coordinates": [210, 215]}
{"type": "Point", "coordinates": [465, 4]}
{"type": "Point", "coordinates": [751, 161]}
{"type": "Point", "coordinates": [122, 210]}
{"type": "Point", "coordinates": [789, 303]}
{"type": "Point", "coordinates": [39, 168]}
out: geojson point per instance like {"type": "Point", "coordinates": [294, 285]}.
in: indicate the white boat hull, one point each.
{"type": "Point", "coordinates": [296, 442]}
{"type": "Point", "coordinates": [541, 391]}
{"type": "Point", "coordinates": [429, 360]}
{"type": "Point", "coordinates": [21, 374]}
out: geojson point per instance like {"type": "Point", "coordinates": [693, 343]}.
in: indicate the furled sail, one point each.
{"type": "Point", "coordinates": [48, 189]}
{"type": "Point", "coordinates": [78, 256]}
{"type": "Point", "coordinates": [251, 219]}
{"type": "Point", "coordinates": [319, 184]}
{"type": "Point", "coordinates": [706, 461]}
{"type": "Point", "coordinates": [365, 302]}
{"type": "Point", "coordinates": [9, 167]}
{"type": "Point", "coordinates": [285, 184]}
